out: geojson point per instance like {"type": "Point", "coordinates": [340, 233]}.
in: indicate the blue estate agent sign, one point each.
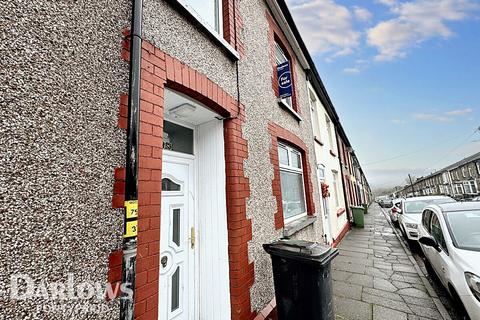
{"type": "Point", "coordinates": [284, 80]}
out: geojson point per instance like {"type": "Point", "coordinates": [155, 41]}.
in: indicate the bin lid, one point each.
{"type": "Point", "coordinates": [301, 250]}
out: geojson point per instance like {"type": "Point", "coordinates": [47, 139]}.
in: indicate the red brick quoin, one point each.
{"type": "Point", "coordinates": [160, 71]}
{"type": "Point", "coordinates": [278, 133]}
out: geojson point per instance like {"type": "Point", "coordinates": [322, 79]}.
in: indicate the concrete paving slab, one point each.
{"type": "Point", "coordinates": [375, 277]}
{"type": "Point", "coordinates": [352, 309]}
{"type": "Point", "coordinates": [347, 290]}
{"type": "Point", "coordinates": [382, 313]}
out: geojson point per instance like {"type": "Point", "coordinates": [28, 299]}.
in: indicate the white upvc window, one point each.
{"type": "Point", "coordinates": [291, 183]}
{"type": "Point", "coordinates": [281, 57]}
{"type": "Point", "coordinates": [335, 188]}
{"type": "Point", "coordinates": [470, 187]}
{"type": "Point", "coordinates": [463, 172]}
{"type": "Point", "coordinates": [478, 167]}
{"type": "Point", "coordinates": [470, 172]}
{"type": "Point", "coordinates": [330, 133]}
{"type": "Point", "coordinates": [458, 189]}
{"type": "Point", "coordinates": [314, 110]}
{"type": "Point", "coordinates": [208, 12]}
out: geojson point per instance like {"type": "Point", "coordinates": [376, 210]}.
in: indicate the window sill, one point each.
{"type": "Point", "coordinates": [292, 112]}
{"type": "Point", "coordinates": [297, 225]}
{"type": "Point", "coordinates": [340, 212]}
{"type": "Point", "coordinates": [206, 29]}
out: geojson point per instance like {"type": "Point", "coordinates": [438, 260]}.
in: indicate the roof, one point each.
{"type": "Point", "coordinates": [466, 160]}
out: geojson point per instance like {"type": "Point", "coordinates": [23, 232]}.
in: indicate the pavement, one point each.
{"type": "Point", "coordinates": [376, 277]}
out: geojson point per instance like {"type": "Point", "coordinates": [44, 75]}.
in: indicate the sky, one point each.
{"type": "Point", "coordinates": [404, 77]}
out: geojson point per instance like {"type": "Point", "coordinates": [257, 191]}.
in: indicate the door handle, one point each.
{"type": "Point", "coordinates": [192, 237]}
{"type": "Point", "coordinates": [164, 261]}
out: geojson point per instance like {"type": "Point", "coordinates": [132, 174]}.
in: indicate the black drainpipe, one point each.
{"type": "Point", "coordinates": [131, 178]}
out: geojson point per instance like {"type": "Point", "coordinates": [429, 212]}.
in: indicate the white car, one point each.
{"type": "Point", "coordinates": [450, 240]}
{"type": "Point", "coordinates": [410, 213]}
{"type": "Point", "coordinates": [394, 210]}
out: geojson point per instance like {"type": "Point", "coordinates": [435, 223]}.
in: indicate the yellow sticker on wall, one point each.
{"type": "Point", "coordinates": [131, 229]}
{"type": "Point", "coordinates": [131, 209]}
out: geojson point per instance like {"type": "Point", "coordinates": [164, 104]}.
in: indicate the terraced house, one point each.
{"type": "Point", "coordinates": [459, 180]}
{"type": "Point", "coordinates": [212, 102]}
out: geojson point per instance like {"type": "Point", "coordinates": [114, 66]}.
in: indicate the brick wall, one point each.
{"type": "Point", "coordinates": [231, 16]}
{"type": "Point", "coordinates": [159, 71]}
{"type": "Point", "coordinates": [279, 133]}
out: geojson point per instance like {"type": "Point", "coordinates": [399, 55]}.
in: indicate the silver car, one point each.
{"type": "Point", "coordinates": [410, 215]}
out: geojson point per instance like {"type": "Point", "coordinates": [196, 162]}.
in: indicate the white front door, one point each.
{"type": "Point", "coordinates": [177, 260]}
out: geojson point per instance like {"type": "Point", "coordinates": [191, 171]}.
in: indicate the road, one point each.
{"type": "Point", "coordinates": [442, 293]}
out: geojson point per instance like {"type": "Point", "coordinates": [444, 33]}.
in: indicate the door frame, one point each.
{"type": "Point", "coordinates": [193, 268]}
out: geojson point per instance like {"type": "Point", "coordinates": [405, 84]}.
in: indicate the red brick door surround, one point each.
{"type": "Point", "coordinates": [160, 71]}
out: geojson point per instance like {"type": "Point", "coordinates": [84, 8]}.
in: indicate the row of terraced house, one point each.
{"type": "Point", "coordinates": [238, 145]}
{"type": "Point", "coordinates": [460, 180]}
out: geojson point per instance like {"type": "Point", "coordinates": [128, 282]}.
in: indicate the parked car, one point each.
{"type": "Point", "coordinates": [394, 210]}
{"type": "Point", "coordinates": [450, 240]}
{"type": "Point", "coordinates": [385, 203]}
{"type": "Point", "coordinates": [410, 214]}
{"type": "Point", "coordinates": [476, 198]}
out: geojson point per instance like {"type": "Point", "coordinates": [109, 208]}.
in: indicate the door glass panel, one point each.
{"type": "Point", "coordinates": [169, 185]}
{"type": "Point", "coordinates": [176, 226]}
{"type": "Point", "coordinates": [176, 290]}
{"type": "Point", "coordinates": [177, 138]}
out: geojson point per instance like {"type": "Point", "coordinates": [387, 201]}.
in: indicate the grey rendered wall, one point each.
{"type": "Point", "coordinates": [60, 79]}
{"type": "Point", "coordinates": [172, 33]}
{"type": "Point", "coordinates": [261, 107]}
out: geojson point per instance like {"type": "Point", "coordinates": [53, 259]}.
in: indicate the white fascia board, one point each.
{"type": "Point", "coordinates": [283, 24]}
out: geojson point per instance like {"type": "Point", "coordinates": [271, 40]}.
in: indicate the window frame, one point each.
{"type": "Point", "coordinates": [335, 187]}
{"type": "Point", "coordinates": [442, 243]}
{"type": "Point", "coordinates": [218, 16]}
{"type": "Point", "coordinates": [315, 115]}
{"type": "Point", "coordinates": [426, 220]}
{"type": "Point", "coordinates": [328, 123]}
{"type": "Point", "coordinates": [291, 169]}
{"type": "Point", "coordinates": [470, 184]}
{"type": "Point", "coordinates": [457, 186]}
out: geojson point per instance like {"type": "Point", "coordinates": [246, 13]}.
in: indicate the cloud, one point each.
{"type": "Point", "coordinates": [326, 26]}
{"type": "Point", "coordinates": [387, 2]}
{"type": "Point", "coordinates": [415, 22]}
{"type": "Point", "coordinates": [431, 117]}
{"type": "Point", "coordinates": [362, 14]}
{"type": "Point", "coordinates": [352, 70]}
{"type": "Point", "coordinates": [399, 121]}
{"type": "Point", "coordinates": [459, 112]}
{"type": "Point", "coordinates": [447, 116]}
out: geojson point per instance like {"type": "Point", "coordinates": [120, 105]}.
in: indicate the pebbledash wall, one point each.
{"type": "Point", "coordinates": [63, 145]}
{"type": "Point", "coordinates": [251, 289]}
{"type": "Point", "coordinates": [60, 80]}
